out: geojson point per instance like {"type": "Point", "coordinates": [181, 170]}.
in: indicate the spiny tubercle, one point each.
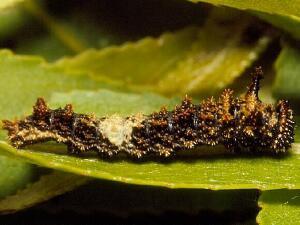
{"type": "Point", "coordinates": [240, 124]}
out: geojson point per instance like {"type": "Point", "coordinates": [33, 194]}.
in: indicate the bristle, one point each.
{"type": "Point", "coordinates": [254, 86]}
{"type": "Point", "coordinates": [40, 108]}
{"type": "Point", "coordinates": [69, 110]}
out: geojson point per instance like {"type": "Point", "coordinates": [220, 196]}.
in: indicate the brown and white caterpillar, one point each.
{"type": "Point", "coordinates": [240, 124]}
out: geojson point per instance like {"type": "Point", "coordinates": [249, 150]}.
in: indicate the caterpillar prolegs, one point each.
{"type": "Point", "coordinates": [240, 124]}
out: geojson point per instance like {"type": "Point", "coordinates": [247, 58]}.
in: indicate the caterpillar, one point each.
{"type": "Point", "coordinates": [243, 124]}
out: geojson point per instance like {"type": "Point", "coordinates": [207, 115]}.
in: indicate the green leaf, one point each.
{"type": "Point", "coordinates": [282, 7]}
{"type": "Point", "coordinates": [199, 61]}
{"type": "Point", "coordinates": [209, 173]}
{"type": "Point", "coordinates": [15, 175]}
{"type": "Point", "coordinates": [23, 79]}
{"type": "Point", "coordinates": [283, 14]}
{"type": "Point", "coordinates": [45, 45]}
{"type": "Point", "coordinates": [11, 20]}
{"type": "Point", "coordinates": [219, 172]}
{"type": "Point", "coordinates": [289, 24]}
{"type": "Point", "coordinates": [8, 3]}
{"type": "Point", "coordinates": [105, 102]}
{"type": "Point", "coordinates": [136, 61]}
{"type": "Point", "coordinates": [217, 58]}
{"type": "Point", "coordinates": [287, 81]}
{"type": "Point", "coordinates": [279, 207]}
{"type": "Point", "coordinates": [47, 187]}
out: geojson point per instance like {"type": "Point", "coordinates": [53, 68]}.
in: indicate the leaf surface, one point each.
{"type": "Point", "coordinates": [15, 175]}
{"type": "Point", "coordinates": [8, 3]}
{"type": "Point", "coordinates": [283, 14]}
{"type": "Point", "coordinates": [282, 7]}
{"type": "Point", "coordinates": [198, 61]}
{"type": "Point", "coordinates": [279, 207]}
{"type": "Point", "coordinates": [217, 173]}
{"type": "Point", "coordinates": [287, 82]}
{"type": "Point", "coordinates": [290, 24]}
{"type": "Point", "coordinates": [23, 79]}
{"type": "Point", "coordinates": [11, 20]}
{"type": "Point", "coordinates": [47, 187]}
